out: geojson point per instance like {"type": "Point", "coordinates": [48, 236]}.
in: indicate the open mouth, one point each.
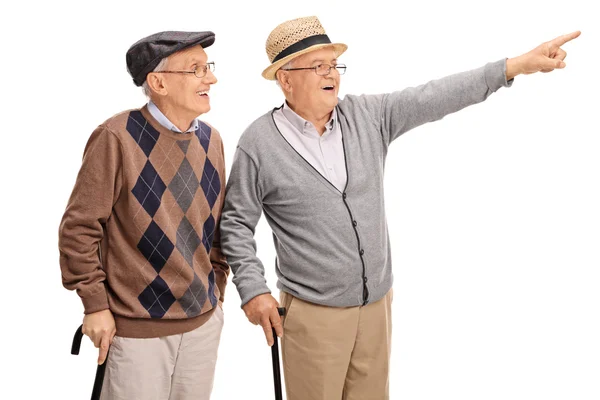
{"type": "Point", "coordinates": [202, 93]}
{"type": "Point", "coordinates": [328, 88]}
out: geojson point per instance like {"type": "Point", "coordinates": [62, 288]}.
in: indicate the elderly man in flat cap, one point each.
{"type": "Point", "coordinates": [315, 167]}
{"type": "Point", "coordinates": [139, 239]}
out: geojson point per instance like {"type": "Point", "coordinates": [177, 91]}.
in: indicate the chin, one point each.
{"type": "Point", "coordinates": [332, 102]}
{"type": "Point", "coordinates": [202, 110]}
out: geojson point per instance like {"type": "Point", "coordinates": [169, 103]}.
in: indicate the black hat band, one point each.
{"type": "Point", "coordinates": [301, 45]}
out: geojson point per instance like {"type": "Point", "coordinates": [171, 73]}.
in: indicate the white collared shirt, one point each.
{"type": "Point", "coordinates": [324, 152]}
{"type": "Point", "coordinates": [164, 121]}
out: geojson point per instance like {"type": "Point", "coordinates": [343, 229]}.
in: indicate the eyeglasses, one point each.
{"type": "Point", "coordinates": [322, 69]}
{"type": "Point", "coordinates": [200, 71]}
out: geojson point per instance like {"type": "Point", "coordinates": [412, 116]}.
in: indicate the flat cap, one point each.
{"type": "Point", "coordinates": [144, 55]}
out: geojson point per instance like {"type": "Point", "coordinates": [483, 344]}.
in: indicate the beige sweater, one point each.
{"type": "Point", "coordinates": [140, 232]}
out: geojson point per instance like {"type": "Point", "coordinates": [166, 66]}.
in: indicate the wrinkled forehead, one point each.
{"type": "Point", "coordinates": [326, 55]}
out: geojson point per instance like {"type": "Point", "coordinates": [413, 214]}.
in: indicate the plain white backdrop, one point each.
{"type": "Point", "coordinates": [493, 212]}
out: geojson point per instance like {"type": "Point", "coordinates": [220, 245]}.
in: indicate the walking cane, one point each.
{"type": "Point", "coordinates": [275, 357]}
{"type": "Point", "coordinates": [99, 371]}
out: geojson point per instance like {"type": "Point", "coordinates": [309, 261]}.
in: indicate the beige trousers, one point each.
{"type": "Point", "coordinates": [177, 367]}
{"type": "Point", "coordinates": [336, 353]}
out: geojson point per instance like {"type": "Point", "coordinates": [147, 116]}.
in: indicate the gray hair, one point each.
{"type": "Point", "coordinates": [162, 66]}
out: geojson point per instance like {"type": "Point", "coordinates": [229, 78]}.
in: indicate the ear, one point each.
{"type": "Point", "coordinates": [156, 83]}
{"type": "Point", "coordinates": [284, 80]}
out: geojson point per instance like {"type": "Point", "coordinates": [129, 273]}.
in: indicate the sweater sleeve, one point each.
{"type": "Point", "coordinates": [81, 230]}
{"type": "Point", "coordinates": [401, 111]}
{"type": "Point", "coordinates": [217, 259]}
{"type": "Point", "coordinates": [241, 213]}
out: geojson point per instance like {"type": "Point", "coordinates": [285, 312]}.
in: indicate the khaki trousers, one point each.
{"type": "Point", "coordinates": [334, 353]}
{"type": "Point", "coordinates": [177, 367]}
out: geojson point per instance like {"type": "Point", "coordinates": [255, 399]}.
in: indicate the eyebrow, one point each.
{"type": "Point", "coordinates": [322, 61]}
{"type": "Point", "coordinates": [195, 61]}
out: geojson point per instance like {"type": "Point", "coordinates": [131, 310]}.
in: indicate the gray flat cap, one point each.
{"type": "Point", "coordinates": [144, 55]}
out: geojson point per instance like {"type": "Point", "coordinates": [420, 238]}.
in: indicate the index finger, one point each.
{"type": "Point", "coordinates": [276, 322]}
{"type": "Point", "coordinates": [559, 41]}
{"type": "Point", "coordinates": [266, 325]}
{"type": "Point", "coordinates": [104, 345]}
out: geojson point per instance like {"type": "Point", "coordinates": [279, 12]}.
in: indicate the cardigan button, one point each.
{"type": "Point", "coordinates": [344, 195]}
{"type": "Point", "coordinates": [354, 223]}
{"type": "Point", "coordinates": [362, 252]}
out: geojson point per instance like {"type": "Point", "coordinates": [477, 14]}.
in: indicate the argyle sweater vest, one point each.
{"type": "Point", "coordinates": [140, 232]}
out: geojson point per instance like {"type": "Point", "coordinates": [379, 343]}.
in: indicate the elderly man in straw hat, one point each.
{"type": "Point", "coordinates": [139, 239]}
{"type": "Point", "coordinates": [315, 167]}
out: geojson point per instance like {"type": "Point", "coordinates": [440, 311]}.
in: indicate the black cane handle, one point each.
{"type": "Point", "coordinates": [75, 347]}
{"type": "Point", "coordinates": [77, 341]}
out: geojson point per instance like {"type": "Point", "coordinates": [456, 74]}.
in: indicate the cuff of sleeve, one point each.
{"type": "Point", "coordinates": [249, 293]}
{"type": "Point", "coordinates": [95, 302]}
{"type": "Point", "coordinates": [495, 75]}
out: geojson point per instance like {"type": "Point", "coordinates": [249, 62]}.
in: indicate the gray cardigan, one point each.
{"type": "Point", "coordinates": [332, 247]}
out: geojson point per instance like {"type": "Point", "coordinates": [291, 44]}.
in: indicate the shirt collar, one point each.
{"type": "Point", "coordinates": [164, 121]}
{"type": "Point", "coordinates": [306, 127]}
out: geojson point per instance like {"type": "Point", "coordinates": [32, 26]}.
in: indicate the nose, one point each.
{"type": "Point", "coordinates": [210, 77]}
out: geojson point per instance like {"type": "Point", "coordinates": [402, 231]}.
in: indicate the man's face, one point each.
{"type": "Point", "coordinates": [187, 93]}
{"type": "Point", "coordinates": [309, 90]}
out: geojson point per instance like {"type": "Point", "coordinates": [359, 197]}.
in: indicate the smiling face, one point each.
{"type": "Point", "coordinates": [308, 91]}
{"type": "Point", "coordinates": [183, 94]}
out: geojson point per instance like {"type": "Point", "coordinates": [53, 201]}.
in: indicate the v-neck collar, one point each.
{"type": "Point", "coordinates": [309, 165]}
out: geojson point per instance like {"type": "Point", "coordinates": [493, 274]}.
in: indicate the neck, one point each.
{"type": "Point", "coordinates": [180, 120]}
{"type": "Point", "coordinates": [318, 118]}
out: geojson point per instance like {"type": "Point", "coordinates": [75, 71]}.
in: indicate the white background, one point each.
{"type": "Point", "coordinates": [493, 211]}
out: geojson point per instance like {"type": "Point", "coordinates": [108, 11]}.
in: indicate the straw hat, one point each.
{"type": "Point", "coordinates": [294, 38]}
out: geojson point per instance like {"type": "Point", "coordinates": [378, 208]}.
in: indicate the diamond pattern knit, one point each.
{"type": "Point", "coordinates": [155, 198]}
